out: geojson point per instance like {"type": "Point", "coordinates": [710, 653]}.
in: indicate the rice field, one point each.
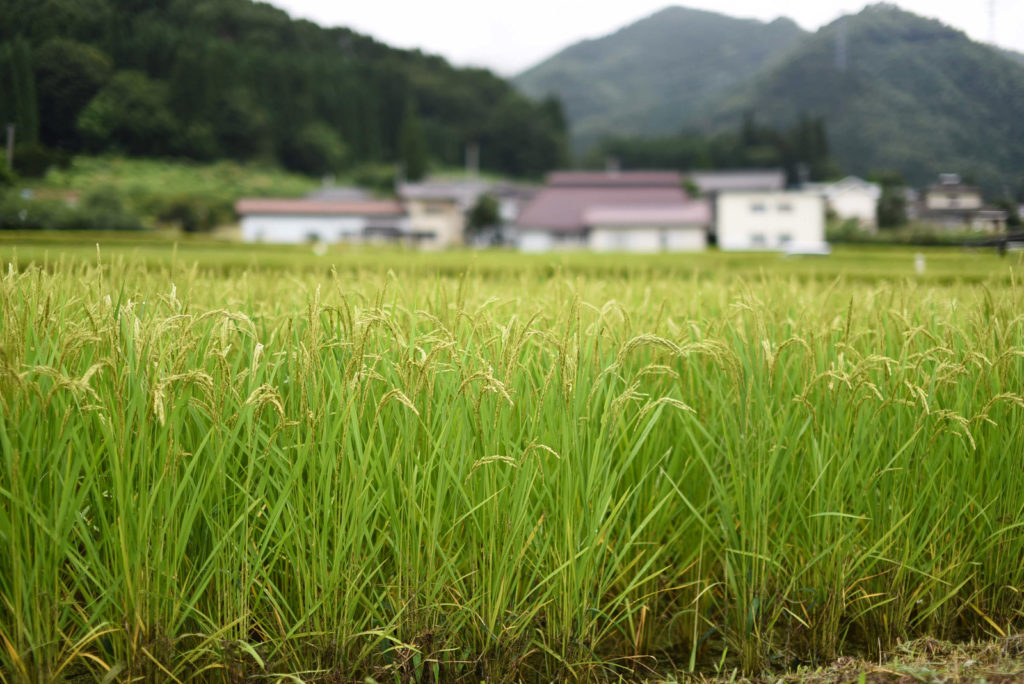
{"type": "Point", "coordinates": [222, 465]}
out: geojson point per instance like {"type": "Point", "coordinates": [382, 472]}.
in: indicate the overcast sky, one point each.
{"type": "Point", "coordinates": [511, 36]}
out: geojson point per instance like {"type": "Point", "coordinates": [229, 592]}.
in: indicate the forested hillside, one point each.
{"type": "Point", "coordinates": [650, 76]}
{"type": "Point", "coordinates": [209, 79]}
{"type": "Point", "coordinates": [902, 92]}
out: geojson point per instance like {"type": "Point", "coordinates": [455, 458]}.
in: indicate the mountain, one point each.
{"type": "Point", "coordinates": [651, 75]}
{"type": "Point", "coordinates": [209, 79]}
{"type": "Point", "coordinates": [1015, 56]}
{"type": "Point", "coordinates": [897, 92]}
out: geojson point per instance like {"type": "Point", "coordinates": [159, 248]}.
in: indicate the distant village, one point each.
{"type": "Point", "coordinates": [610, 210]}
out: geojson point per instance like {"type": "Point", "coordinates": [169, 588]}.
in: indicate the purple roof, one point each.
{"type": "Point", "coordinates": [562, 205]}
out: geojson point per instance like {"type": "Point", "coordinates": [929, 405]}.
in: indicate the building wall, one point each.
{"type": "Point", "coordinates": [545, 241]}
{"type": "Point", "coordinates": [859, 205]}
{"type": "Point", "coordinates": [952, 199]}
{"type": "Point", "coordinates": [298, 229]}
{"type": "Point", "coordinates": [770, 220]}
{"type": "Point", "coordinates": [444, 218]}
{"type": "Point", "coordinates": [648, 239]}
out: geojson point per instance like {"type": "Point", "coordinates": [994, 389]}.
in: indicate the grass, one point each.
{"type": "Point", "coordinates": [139, 179]}
{"type": "Point", "coordinates": [222, 464]}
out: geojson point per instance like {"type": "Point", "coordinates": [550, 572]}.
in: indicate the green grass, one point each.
{"type": "Point", "coordinates": [225, 463]}
{"type": "Point", "coordinates": [141, 178]}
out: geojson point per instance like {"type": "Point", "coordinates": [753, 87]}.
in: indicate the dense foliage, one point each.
{"type": "Point", "coordinates": [210, 79]}
{"type": "Point", "coordinates": [896, 91]}
{"type": "Point", "coordinates": [649, 77]}
{"type": "Point", "coordinates": [802, 150]}
{"type": "Point", "coordinates": [406, 467]}
{"type": "Point", "coordinates": [901, 92]}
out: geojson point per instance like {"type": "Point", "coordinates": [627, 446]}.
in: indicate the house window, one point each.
{"type": "Point", "coordinates": [757, 207]}
{"type": "Point", "coordinates": [758, 240]}
{"type": "Point", "coordinates": [434, 208]}
{"type": "Point", "coordinates": [785, 239]}
{"type": "Point", "coordinates": [785, 207]}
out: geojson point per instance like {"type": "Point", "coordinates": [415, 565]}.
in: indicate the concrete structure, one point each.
{"type": "Point", "coordinates": [785, 221]}
{"type": "Point", "coordinates": [852, 198]}
{"type": "Point", "coordinates": [293, 221]}
{"type": "Point", "coordinates": [613, 210]}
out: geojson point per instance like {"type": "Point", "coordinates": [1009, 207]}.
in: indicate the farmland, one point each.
{"type": "Point", "coordinates": [221, 463]}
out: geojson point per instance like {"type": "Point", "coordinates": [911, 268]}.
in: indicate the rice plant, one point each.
{"type": "Point", "coordinates": [511, 474]}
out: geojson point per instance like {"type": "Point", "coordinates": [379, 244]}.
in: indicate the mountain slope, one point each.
{"type": "Point", "coordinates": [898, 92]}
{"type": "Point", "coordinates": [649, 76]}
{"type": "Point", "coordinates": [238, 79]}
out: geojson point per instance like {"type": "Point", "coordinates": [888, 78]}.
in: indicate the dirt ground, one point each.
{"type": "Point", "coordinates": [925, 661]}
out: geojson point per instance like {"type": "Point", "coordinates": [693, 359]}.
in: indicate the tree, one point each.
{"type": "Point", "coordinates": [412, 145]}
{"type": "Point", "coordinates": [892, 205]}
{"type": "Point", "coordinates": [17, 79]}
{"type": "Point", "coordinates": [68, 76]}
{"type": "Point", "coordinates": [486, 213]}
{"type": "Point", "coordinates": [241, 125]}
{"type": "Point", "coordinates": [316, 149]}
{"type": "Point", "coordinates": [129, 114]}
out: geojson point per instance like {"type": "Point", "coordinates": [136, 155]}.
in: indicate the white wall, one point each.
{"type": "Point", "coordinates": [545, 241]}
{"type": "Point", "coordinates": [648, 239]}
{"type": "Point", "coordinates": [938, 198]}
{"type": "Point", "coordinates": [298, 229]}
{"type": "Point", "coordinates": [854, 204]}
{"type": "Point", "coordinates": [770, 220]}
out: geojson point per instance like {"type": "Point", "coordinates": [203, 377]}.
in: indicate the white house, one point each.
{"type": "Point", "coordinates": [779, 220]}
{"type": "Point", "coordinates": [851, 198]}
{"type": "Point", "coordinates": [679, 227]}
{"type": "Point", "coordinates": [292, 221]}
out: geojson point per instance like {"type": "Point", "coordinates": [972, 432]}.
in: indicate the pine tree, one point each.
{"type": "Point", "coordinates": [412, 145]}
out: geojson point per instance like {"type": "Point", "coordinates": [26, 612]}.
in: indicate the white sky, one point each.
{"type": "Point", "coordinates": [511, 36]}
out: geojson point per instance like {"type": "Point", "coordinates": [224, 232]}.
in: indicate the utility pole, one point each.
{"type": "Point", "coordinates": [472, 160]}
{"type": "Point", "coordinates": [992, 21]}
{"type": "Point", "coordinates": [10, 147]}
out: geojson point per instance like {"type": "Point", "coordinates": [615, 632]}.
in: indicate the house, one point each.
{"type": "Point", "coordinates": [679, 227]}
{"type": "Point", "coordinates": [293, 221]}
{"type": "Point", "coordinates": [621, 210]}
{"type": "Point", "coordinates": [792, 221]}
{"type": "Point", "coordinates": [439, 207]}
{"type": "Point", "coordinates": [954, 205]}
{"type": "Point", "coordinates": [851, 199]}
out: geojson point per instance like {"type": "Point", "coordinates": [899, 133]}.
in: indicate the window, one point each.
{"type": "Point", "coordinates": [785, 239]}
{"type": "Point", "coordinates": [757, 207]}
{"type": "Point", "coordinates": [785, 207]}
{"type": "Point", "coordinates": [758, 240]}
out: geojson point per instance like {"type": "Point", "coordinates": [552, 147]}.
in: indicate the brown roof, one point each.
{"type": "Point", "coordinates": [563, 209]}
{"type": "Point", "coordinates": [309, 207]}
{"type": "Point", "coordinates": [615, 179]}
